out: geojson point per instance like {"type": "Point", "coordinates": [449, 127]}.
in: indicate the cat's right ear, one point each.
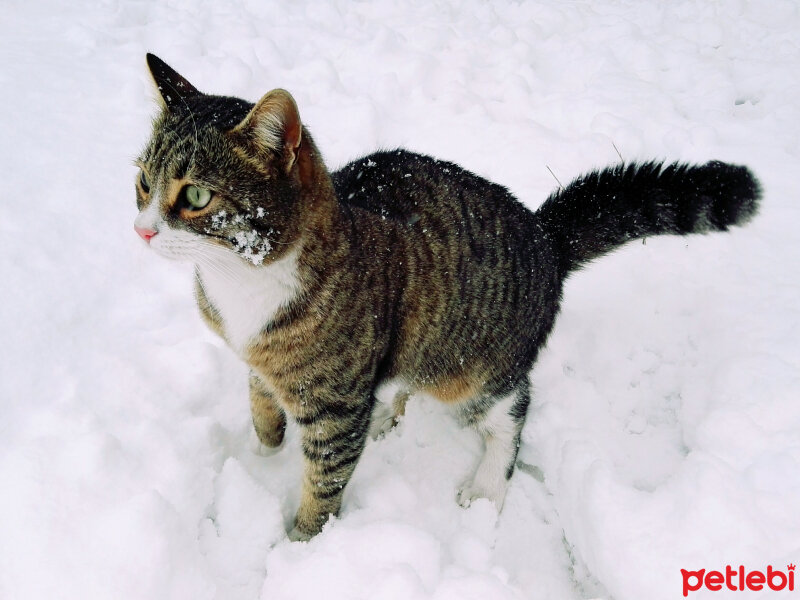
{"type": "Point", "coordinates": [273, 127]}
{"type": "Point", "coordinates": [172, 88]}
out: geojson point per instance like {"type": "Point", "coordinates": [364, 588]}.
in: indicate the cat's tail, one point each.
{"type": "Point", "coordinates": [604, 209]}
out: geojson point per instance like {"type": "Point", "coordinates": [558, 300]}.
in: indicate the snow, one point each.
{"type": "Point", "coordinates": [246, 243]}
{"type": "Point", "coordinates": [665, 429]}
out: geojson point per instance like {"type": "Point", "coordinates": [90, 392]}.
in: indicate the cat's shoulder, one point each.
{"type": "Point", "coordinates": [398, 183]}
{"type": "Point", "coordinates": [399, 162]}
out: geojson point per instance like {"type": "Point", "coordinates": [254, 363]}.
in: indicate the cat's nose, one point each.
{"type": "Point", "coordinates": [145, 234]}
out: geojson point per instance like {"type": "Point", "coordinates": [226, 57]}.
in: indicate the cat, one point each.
{"type": "Point", "coordinates": [396, 268]}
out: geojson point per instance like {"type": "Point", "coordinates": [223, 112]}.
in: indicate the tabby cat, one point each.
{"type": "Point", "coordinates": [396, 268]}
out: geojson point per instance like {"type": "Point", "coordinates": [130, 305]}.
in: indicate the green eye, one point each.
{"type": "Point", "coordinates": [197, 197]}
{"type": "Point", "coordinates": [144, 183]}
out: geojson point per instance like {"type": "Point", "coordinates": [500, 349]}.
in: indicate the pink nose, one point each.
{"type": "Point", "coordinates": [145, 234]}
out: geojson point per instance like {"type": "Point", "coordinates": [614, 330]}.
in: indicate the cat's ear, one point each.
{"type": "Point", "coordinates": [273, 125]}
{"type": "Point", "coordinates": [172, 88]}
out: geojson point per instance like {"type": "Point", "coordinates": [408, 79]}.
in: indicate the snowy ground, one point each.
{"type": "Point", "coordinates": [666, 427]}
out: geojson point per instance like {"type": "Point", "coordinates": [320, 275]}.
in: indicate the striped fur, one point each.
{"type": "Point", "coordinates": [406, 269]}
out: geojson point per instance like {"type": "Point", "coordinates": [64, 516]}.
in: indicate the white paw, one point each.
{"type": "Point", "coordinates": [472, 491]}
{"type": "Point", "coordinates": [382, 421]}
{"type": "Point", "coordinates": [295, 535]}
{"type": "Point", "coordinates": [256, 447]}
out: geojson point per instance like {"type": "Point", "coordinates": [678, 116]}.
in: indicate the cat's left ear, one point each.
{"type": "Point", "coordinates": [172, 88]}
{"type": "Point", "coordinates": [273, 125]}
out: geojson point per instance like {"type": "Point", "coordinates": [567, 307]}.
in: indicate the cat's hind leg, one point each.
{"type": "Point", "coordinates": [499, 420]}
{"type": "Point", "coordinates": [385, 417]}
{"type": "Point", "coordinates": [269, 420]}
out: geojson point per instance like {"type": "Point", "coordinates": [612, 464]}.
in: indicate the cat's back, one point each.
{"type": "Point", "coordinates": [406, 187]}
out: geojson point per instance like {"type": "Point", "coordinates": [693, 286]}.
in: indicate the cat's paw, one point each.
{"type": "Point", "coordinates": [382, 422]}
{"type": "Point", "coordinates": [259, 448]}
{"type": "Point", "coordinates": [472, 491]}
{"type": "Point", "coordinates": [298, 535]}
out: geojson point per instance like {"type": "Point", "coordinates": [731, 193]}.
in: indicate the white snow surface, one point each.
{"type": "Point", "coordinates": [665, 430]}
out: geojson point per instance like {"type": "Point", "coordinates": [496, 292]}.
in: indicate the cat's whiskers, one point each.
{"type": "Point", "coordinates": [213, 257]}
{"type": "Point", "coordinates": [213, 263]}
{"type": "Point", "coordinates": [215, 266]}
{"type": "Point", "coordinates": [207, 254]}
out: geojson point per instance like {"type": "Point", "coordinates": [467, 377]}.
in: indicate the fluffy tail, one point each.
{"type": "Point", "coordinates": [604, 209]}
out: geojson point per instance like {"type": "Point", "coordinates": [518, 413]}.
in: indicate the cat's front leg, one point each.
{"type": "Point", "coordinates": [269, 420]}
{"type": "Point", "coordinates": [332, 442]}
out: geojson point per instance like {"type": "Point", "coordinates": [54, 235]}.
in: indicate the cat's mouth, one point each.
{"type": "Point", "coordinates": [247, 244]}
{"type": "Point", "coordinates": [212, 249]}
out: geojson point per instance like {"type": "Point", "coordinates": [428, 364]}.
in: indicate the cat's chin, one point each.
{"type": "Point", "coordinates": [171, 251]}
{"type": "Point", "coordinates": [185, 247]}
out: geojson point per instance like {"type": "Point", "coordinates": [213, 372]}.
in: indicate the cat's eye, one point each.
{"type": "Point", "coordinates": [197, 197]}
{"type": "Point", "coordinates": [144, 183]}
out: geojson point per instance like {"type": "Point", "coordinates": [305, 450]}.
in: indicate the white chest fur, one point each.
{"type": "Point", "coordinates": [248, 297]}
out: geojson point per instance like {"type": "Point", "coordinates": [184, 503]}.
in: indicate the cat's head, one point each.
{"type": "Point", "coordinates": [219, 176]}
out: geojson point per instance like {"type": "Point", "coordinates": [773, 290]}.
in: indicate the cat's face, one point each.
{"type": "Point", "coordinates": [215, 179]}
